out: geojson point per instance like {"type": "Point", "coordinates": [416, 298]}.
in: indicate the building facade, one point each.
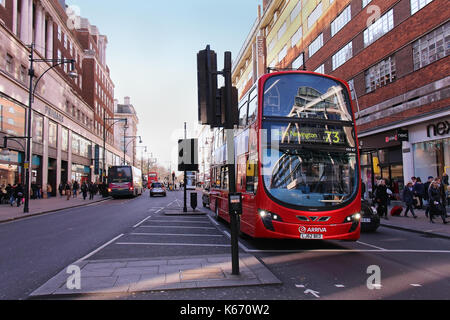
{"type": "Point", "coordinates": [126, 133]}
{"type": "Point", "coordinates": [65, 138]}
{"type": "Point", "coordinates": [395, 56]}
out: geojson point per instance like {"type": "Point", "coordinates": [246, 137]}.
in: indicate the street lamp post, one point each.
{"type": "Point", "coordinates": [126, 146]}
{"type": "Point", "coordinates": [31, 73]}
{"type": "Point", "coordinates": [116, 120]}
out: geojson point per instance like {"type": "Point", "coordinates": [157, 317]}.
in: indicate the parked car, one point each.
{"type": "Point", "coordinates": [157, 188]}
{"type": "Point", "coordinates": [370, 220]}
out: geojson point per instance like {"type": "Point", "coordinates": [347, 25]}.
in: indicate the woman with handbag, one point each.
{"type": "Point", "coordinates": [436, 206]}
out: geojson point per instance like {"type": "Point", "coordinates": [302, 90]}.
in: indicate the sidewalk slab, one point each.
{"type": "Point", "coordinates": [126, 277]}
{"type": "Point", "coordinates": [420, 225]}
{"type": "Point", "coordinates": [43, 206]}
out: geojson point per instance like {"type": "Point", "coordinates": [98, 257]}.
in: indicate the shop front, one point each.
{"type": "Point", "coordinates": [381, 158]}
{"type": "Point", "coordinates": [430, 148]}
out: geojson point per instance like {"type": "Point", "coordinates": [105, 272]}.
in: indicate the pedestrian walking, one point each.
{"type": "Point", "coordinates": [426, 196]}
{"type": "Point", "coordinates": [68, 189]}
{"type": "Point", "coordinates": [75, 187]}
{"type": "Point", "coordinates": [408, 199]}
{"type": "Point", "coordinates": [49, 191]}
{"type": "Point", "coordinates": [18, 194]}
{"type": "Point", "coordinates": [436, 206]}
{"type": "Point", "coordinates": [91, 189]}
{"type": "Point", "coordinates": [84, 190]}
{"type": "Point", "coordinates": [381, 198]}
{"type": "Point", "coordinates": [419, 192]}
{"type": "Point", "coordinates": [60, 189]}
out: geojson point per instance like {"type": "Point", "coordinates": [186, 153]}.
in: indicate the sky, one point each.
{"type": "Point", "coordinates": [152, 55]}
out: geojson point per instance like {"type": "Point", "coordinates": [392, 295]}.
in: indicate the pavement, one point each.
{"type": "Point", "coordinates": [420, 225]}
{"type": "Point", "coordinates": [129, 276]}
{"type": "Point", "coordinates": [42, 206]}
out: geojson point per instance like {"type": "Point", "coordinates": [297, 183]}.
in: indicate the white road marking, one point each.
{"type": "Point", "coordinates": [176, 234]}
{"type": "Point", "coordinates": [314, 293]}
{"type": "Point", "coordinates": [172, 244]}
{"type": "Point", "coordinates": [339, 286]}
{"type": "Point", "coordinates": [182, 221]}
{"type": "Point", "coordinates": [213, 220]}
{"type": "Point", "coordinates": [204, 228]}
{"type": "Point", "coordinates": [139, 223]}
{"type": "Point", "coordinates": [300, 286]}
{"type": "Point", "coordinates": [416, 285]}
{"type": "Point", "coordinates": [370, 245]}
{"type": "Point", "coordinates": [98, 249]}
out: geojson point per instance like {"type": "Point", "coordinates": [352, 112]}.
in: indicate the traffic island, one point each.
{"type": "Point", "coordinates": [180, 212]}
{"type": "Point", "coordinates": [128, 276]}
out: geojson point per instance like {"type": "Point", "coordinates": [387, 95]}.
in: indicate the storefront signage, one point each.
{"type": "Point", "coordinates": [400, 135]}
{"type": "Point", "coordinates": [97, 160]}
{"type": "Point", "coordinates": [54, 114]}
{"type": "Point", "coordinates": [438, 129]}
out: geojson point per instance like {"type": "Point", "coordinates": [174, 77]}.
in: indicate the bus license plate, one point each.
{"type": "Point", "coordinates": [311, 236]}
{"type": "Point", "coordinates": [366, 220]}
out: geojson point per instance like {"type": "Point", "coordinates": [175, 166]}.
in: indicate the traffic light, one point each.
{"type": "Point", "coordinates": [188, 155]}
{"type": "Point", "coordinates": [208, 112]}
{"type": "Point", "coordinates": [229, 111]}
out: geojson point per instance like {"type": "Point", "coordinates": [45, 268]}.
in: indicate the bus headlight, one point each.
{"type": "Point", "coordinates": [354, 219]}
{"type": "Point", "coordinates": [268, 217]}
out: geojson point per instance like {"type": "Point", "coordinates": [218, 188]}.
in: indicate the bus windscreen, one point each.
{"type": "Point", "coordinates": [120, 174]}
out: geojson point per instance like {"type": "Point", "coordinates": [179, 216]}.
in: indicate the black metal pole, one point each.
{"type": "Point", "coordinates": [230, 163]}
{"type": "Point", "coordinates": [185, 175]}
{"type": "Point", "coordinates": [28, 157]}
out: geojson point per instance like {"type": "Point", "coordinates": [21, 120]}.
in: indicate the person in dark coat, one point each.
{"type": "Point", "coordinates": [408, 199]}
{"type": "Point", "coordinates": [436, 207]}
{"type": "Point", "coordinates": [91, 189]}
{"type": "Point", "coordinates": [381, 198]}
{"type": "Point", "coordinates": [426, 197]}
{"type": "Point", "coordinates": [419, 191]}
{"type": "Point", "coordinates": [84, 190]}
{"type": "Point", "coordinates": [18, 194]}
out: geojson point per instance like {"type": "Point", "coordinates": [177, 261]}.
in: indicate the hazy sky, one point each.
{"type": "Point", "coordinates": [152, 55]}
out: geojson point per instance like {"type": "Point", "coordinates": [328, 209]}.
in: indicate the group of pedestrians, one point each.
{"type": "Point", "coordinates": [12, 194]}
{"type": "Point", "coordinates": [72, 189]}
{"type": "Point", "coordinates": [433, 196]}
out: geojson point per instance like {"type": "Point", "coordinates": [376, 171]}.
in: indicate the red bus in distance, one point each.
{"type": "Point", "coordinates": [152, 177]}
{"type": "Point", "coordinates": [296, 160]}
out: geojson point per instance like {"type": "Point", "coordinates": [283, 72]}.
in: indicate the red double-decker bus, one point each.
{"type": "Point", "coordinates": [152, 177]}
{"type": "Point", "coordinates": [296, 160]}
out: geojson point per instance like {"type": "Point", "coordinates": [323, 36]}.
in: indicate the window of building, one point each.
{"type": "Point", "coordinates": [315, 45]}
{"type": "Point", "coordinates": [432, 47]}
{"type": "Point", "coordinates": [59, 33]}
{"type": "Point", "coordinates": [320, 69]}
{"type": "Point", "coordinates": [315, 15]}
{"type": "Point", "coordinates": [65, 139]}
{"type": "Point", "coordinates": [342, 56]}
{"type": "Point", "coordinates": [298, 62]}
{"type": "Point", "coordinates": [283, 53]}
{"type": "Point", "coordinates": [38, 128]}
{"type": "Point", "coordinates": [379, 28]}
{"type": "Point", "coordinates": [341, 21]}
{"type": "Point", "coordinates": [296, 11]}
{"type": "Point", "coordinates": [9, 63]}
{"type": "Point", "coordinates": [380, 75]}
{"type": "Point", "coordinates": [297, 36]}
{"type": "Point", "coordinates": [23, 74]}
{"type": "Point", "coordinates": [416, 5]}
{"type": "Point", "coordinates": [52, 134]}
{"type": "Point", "coordinates": [282, 31]}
